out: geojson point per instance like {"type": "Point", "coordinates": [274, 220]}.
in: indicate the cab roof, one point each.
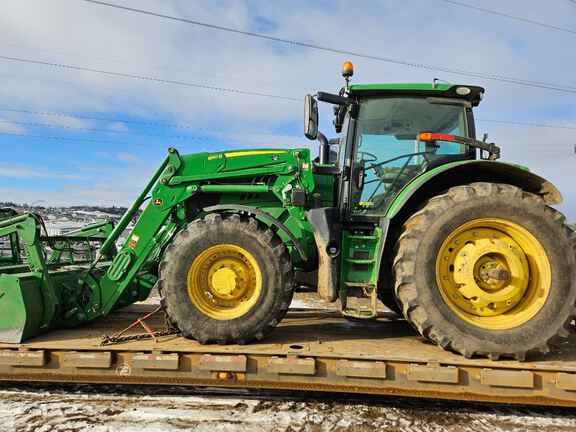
{"type": "Point", "coordinates": [474, 96]}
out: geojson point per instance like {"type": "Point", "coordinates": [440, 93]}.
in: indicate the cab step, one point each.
{"type": "Point", "coordinates": [362, 290]}
{"type": "Point", "coordinates": [360, 261]}
{"type": "Point", "coordinates": [359, 314]}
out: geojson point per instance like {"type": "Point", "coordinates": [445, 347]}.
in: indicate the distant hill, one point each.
{"type": "Point", "coordinates": [118, 211]}
{"type": "Point", "coordinates": [70, 217]}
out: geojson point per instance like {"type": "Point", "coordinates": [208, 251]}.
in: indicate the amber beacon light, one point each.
{"type": "Point", "coordinates": [347, 70]}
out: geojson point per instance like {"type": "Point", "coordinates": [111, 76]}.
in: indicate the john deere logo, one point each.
{"type": "Point", "coordinates": [275, 157]}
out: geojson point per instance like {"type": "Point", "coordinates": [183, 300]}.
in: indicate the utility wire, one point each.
{"type": "Point", "coordinates": [178, 137]}
{"type": "Point", "coordinates": [153, 67]}
{"type": "Point", "coordinates": [18, 135]}
{"type": "Point", "coordinates": [147, 78]}
{"type": "Point", "coordinates": [140, 92]}
{"type": "Point", "coordinates": [89, 140]}
{"type": "Point", "coordinates": [512, 17]}
{"type": "Point", "coordinates": [171, 125]}
{"type": "Point", "coordinates": [200, 138]}
{"type": "Point", "coordinates": [512, 80]}
{"type": "Point", "coordinates": [544, 125]}
{"type": "Point", "coordinates": [181, 126]}
{"type": "Point", "coordinates": [58, 138]}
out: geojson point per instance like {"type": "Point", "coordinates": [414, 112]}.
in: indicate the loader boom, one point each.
{"type": "Point", "coordinates": [178, 192]}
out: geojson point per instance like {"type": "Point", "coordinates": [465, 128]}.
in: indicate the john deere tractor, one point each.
{"type": "Point", "coordinates": [407, 206]}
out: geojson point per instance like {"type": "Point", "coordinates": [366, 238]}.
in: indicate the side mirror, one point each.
{"type": "Point", "coordinates": [310, 117]}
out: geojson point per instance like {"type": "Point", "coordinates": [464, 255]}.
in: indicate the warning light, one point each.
{"type": "Point", "coordinates": [429, 136]}
{"type": "Point", "coordinates": [347, 70]}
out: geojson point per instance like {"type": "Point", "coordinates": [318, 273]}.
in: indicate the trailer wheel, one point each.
{"type": "Point", "coordinates": [487, 269]}
{"type": "Point", "coordinates": [226, 279]}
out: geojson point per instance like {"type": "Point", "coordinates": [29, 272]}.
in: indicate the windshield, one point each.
{"type": "Point", "coordinates": [387, 154]}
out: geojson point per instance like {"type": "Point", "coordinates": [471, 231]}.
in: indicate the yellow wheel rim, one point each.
{"type": "Point", "coordinates": [224, 282]}
{"type": "Point", "coordinates": [493, 274]}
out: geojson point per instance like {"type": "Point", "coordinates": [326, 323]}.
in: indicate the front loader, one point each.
{"type": "Point", "coordinates": [410, 209]}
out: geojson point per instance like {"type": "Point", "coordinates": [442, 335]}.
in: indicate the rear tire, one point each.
{"type": "Point", "coordinates": [525, 303]}
{"type": "Point", "coordinates": [226, 279]}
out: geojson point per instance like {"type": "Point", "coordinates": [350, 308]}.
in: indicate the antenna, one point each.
{"type": "Point", "coordinates": [435, 82]}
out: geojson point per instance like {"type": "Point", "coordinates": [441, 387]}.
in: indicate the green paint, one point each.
{"type": "Point", "coordinates": [423, 178]}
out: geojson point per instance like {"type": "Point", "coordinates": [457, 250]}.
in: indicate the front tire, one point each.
{"type": "Point", "coordinates": [487, 269]}
{"type": "Point", "coordinates": [226, 279]}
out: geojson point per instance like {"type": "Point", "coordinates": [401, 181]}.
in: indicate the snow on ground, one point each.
{"type": "Point", "coordinates": [151, 409]}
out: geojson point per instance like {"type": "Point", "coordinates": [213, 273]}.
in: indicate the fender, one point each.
{"type": "Point", "coordinates": [263, 215]}
{"type": "Point", "coordinates": [457, 173]}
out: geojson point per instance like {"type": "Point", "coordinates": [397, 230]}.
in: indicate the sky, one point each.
{"type": "Point", "coordinates": [70, 136]}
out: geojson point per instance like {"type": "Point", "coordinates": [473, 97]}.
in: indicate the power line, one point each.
{"type": "Point", "coordinates": [152, 66]}
{"type": "Point", "coordinates": [512, 17]}
{"type": "Point", "coordinates": [512, 80]}
{"type": "Point", "coordinates": [116, 89]}
{"type": "Point", "coordinates": [77, 139]}
{"type": "Point", "coordinates": [215, 102]}
{"type": "Point", "coordinates": [202, 138]}
{"type": "Point", "coordinates": [181, 126]}
{"type": "Point", "coordinates": [544, 125]}
{"type": "Point", "coordinates": [147, 78]}
{"type": "Point", "coordinates": [177, 137]}
{"type": "Point", "coordinates": [90, 140]}
{"type": "Point", "coordinates": [177, 126]}
{"type": "Point", "coordinates": [57, 138]}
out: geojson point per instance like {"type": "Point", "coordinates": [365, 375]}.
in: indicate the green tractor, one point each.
{"type": "Point", "coordinates": [410, 209]}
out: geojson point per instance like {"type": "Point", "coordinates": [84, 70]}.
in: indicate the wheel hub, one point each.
{"type": "Point", "coordinates": [224, 282]}
{"type": "Point", "coordinates": [493, 273]}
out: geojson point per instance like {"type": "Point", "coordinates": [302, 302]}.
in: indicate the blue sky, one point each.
{"type": "Point", "coordinates": [108, 133]}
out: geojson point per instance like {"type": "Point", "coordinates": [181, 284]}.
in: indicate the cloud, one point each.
{"type": "Point", "coordinates": [182, 52]}
{"type": "Point", "coordinates": [117, 127]}
{"type": "Point", "coordinates": [26, 171]}
{"type": "Point", "coordinates": [64, 121]}
{"type": "Point", "coordinates": [8, 127]}
{"type": "Point", "coordinates": [128, 157]}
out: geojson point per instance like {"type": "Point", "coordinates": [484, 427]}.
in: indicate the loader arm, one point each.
{"type": "Point", "coordinates": [178, 179]}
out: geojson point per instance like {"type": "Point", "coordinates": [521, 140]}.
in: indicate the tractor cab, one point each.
{"type": "Point", "coordinates": [391, 134]}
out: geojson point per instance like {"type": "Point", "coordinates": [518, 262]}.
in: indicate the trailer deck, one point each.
{"type": "Point", "coordinates": [311, 350]}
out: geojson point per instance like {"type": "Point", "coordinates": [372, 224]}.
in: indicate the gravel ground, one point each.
{"type": "Point", "coordinates": [140, 409]}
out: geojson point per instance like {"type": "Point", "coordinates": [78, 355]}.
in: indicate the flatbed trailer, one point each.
{"type": "Point", "coordinates": [311, 350]}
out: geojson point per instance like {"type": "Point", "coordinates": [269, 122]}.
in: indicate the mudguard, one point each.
{"type": "Point", "coordinates": [462, 172]}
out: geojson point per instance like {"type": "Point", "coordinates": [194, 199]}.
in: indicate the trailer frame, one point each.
{"type": "Point", "coordinates": [311, 350]}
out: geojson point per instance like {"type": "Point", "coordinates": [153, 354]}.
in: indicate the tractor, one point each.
{"type": "Point", "coordinates": [406, 207]}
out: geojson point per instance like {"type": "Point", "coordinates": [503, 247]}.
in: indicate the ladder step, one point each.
{"type": "Point", "coordinates": [360, 261]}
{"type": "Point", "coordinates": [362, 237]}
{"type": "Point", "coordinates": [359, 314]}
{"type": "Point", "coordinates": [353, 284]}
